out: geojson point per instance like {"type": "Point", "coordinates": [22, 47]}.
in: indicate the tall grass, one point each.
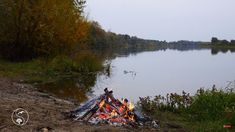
{"type": "Point", "coordinates": [88, 62]}
{"type": "Point", "coordinates": [207, 110]}
{"type": "Point", "coordinates": [44, 70]}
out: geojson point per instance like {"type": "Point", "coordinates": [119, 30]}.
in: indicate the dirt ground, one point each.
{"type": "Point", "coordinates": [46, 113]}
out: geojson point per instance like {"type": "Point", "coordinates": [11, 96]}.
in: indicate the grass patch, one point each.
{"type": "Point", "coordinates": [19, 69]}
{"type": "Point", "coordinates": [208, 110]}
{"type": "Point", "coordinates": [42, 70]}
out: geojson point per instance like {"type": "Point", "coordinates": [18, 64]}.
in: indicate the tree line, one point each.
{"type": "Point", "coordinates": [216, 41]}
{"type": "Point", "coordinates": [110, 42]}
{"type": "Point", "coordinates": [42, 28]}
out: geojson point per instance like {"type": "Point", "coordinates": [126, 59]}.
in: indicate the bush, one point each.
{"type": "Point", "coordinates": [87, 62]}
{"type": "Point", "coordinates": [171, 103]}
{"type": "Point", "coordinates": [82, 63]}
{"type": "Point", "coordinates": [207, 110]}
{"type": "Point", "coordinates": [211, 105]}
{"type": "Point", "coordinates": [62, 64]}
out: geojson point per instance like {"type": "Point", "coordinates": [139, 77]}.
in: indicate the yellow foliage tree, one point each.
{"type": "Point", "coordinates": [33, 28]}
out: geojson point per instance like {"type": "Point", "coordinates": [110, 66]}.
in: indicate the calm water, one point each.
{"type": "Point", "coordinates": [161, 72]}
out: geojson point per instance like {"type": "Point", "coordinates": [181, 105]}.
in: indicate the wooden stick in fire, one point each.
{"type": "Point", "coordinates": [104, 99]}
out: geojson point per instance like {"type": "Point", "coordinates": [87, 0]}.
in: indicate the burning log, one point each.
{"type": "Point", "coordinates": [107, 109]}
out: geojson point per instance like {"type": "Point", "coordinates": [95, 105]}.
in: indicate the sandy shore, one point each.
{"type": "Point", "coordinates": [46, 113]}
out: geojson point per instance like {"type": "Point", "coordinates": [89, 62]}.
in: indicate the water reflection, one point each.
{"type": "Point", "coordinates": [151, 73]}
{"type": "Point", "coordinates": [215, 51]}
{"type": "Point", "coordinates": [71, 88]}
{"type": "Point", "coordinates": [168, 71]}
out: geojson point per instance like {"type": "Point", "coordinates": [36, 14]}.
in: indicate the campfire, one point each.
{"type": "Point", "coordinates": [105, 109]}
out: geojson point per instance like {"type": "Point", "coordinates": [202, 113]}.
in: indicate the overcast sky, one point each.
{"type": "Point", "coordinates": [166, 19]}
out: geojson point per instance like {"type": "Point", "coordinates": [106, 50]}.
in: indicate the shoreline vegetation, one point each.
{"type": "Point", "coordinates": [45, 41]}
{"type": "Point", "coordinates": [207, 110]}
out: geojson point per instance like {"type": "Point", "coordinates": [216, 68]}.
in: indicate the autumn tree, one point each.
{"type": "Point", "coordinates": [34, 28]}
{"type": "Point", "coordinates": [97, 37]}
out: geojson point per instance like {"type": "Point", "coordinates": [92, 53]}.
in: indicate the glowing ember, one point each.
{"type": "Point", "coordinates": [113, 113]}
{"type": "Point", "coordinates": [102, 103]}
{"type": "Point", "coordinates": [131, 106]}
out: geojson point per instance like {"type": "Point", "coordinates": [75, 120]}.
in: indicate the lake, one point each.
{"type": "Point", "coordinates": [162, 72]}
{"type": "Point", "coordinates": [151, 73]}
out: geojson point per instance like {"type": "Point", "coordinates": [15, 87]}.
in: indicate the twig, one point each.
{"type": "Point", "coordinates": [1, 127]}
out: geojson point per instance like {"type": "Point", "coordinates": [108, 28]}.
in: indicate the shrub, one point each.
{"type": "Point", "coordinates": [205, 106]}
{"type": "Point", "coordinates": [82, 62]}
{"type": "Point", "coordinates": [173, 102]}
{"type": "Point", "coordinates": [211, 105]}
{"type": "Point", "coordinates": [87, 62]}
{"type": "Point", "coordinates": [62, 64]}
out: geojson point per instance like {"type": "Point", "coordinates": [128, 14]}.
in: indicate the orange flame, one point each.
{"type": "Point", "coordinates": [131, 106]}
{"type": "Point", "coordinates": [113, 113]}
{"type": "Point", "coordinates": [102, 103]}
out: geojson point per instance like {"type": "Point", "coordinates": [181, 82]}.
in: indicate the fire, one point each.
{"type": "Point", "coordinates": [113, 113]}
{"type": "Point", "coordinates": [102, 103]}
{"type": "Point", "coordinates": [131, 106]}
{"type": "Point", "coordinates": [111, 110]}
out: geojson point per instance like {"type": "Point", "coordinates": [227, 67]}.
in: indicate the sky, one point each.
{"type": "Point", "coordinates": [169, 20]}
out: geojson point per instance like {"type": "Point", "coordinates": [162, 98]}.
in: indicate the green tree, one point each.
{"type": "Point", "coordinates": [224, 41]}
{"type": "Point", "coordinates": [232, 42]}
{"type": "Point", "coordinates": [214, 40]}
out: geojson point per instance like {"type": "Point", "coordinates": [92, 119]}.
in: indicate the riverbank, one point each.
{"type": "Point", "coordinates": [49, 113]}
{"type": "Point", "coordinates": [45, 111]}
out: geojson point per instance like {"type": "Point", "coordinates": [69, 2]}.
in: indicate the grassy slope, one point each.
{"type": "Point", "coordinates": [41, 70]}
